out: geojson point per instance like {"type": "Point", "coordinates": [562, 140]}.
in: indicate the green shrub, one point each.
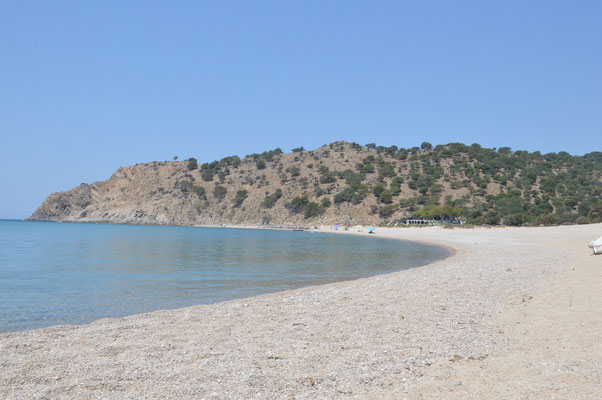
{"type": "Point", "coordinates": [514, 219]}
{"type": "Point", "coordinates": [378, 189]}
{"type": "Point", "coordinates": [367, 168]}
{"type": "Point", "coordinates": [232, 161]}
{"type": "Point", "coordinates": [387, 211]}
{"type": "Point", "coordinates": [328, 177]}
{"type": "Point", "coordinates": [595, 212]}
{"type": "Point", "coordinates": [192, 164]}
{"type": "Point", "coordinates": [386, 197]}
{"type": "Point", "coordinates": [351, 195]}
{"type": "Point", "coordinates": [346, 195]}
{"type": "Point", "coordinates": [219, 192]}
{"type": "Point", "coordinates": [293, 170]}
{"type": "Point", "coordinates": [241, 195]}
{"type": "Point", "coordinates": [548, 219]}
{"type": "Point", "coordinates": [297, 204]}
{"type": "Point", "coordinates": [312, 209]}
{"type": "Point", "coordinates": [271, 199]}
{"type": "Point", "coordinates": [387, 171]}
{"type": "Point", "coordinates": [492, 218]}
{"type": "Point", "coordinates": [475, 221]}
{"type": "Point", "coordinates": [436, 189]}
{"type": "Point", "coordinates": [199, 191]}
{"type": "Point", "coordinates": [301, 204]}
{"type": "Point", "coordinates": [207, 175]}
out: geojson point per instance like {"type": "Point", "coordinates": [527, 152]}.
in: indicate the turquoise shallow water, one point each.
{"type": "Point", "coordinates": [63, 273]}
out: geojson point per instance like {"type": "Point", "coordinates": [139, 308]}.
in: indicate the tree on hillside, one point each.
{"type": "Point", "coordinates": [207, 175]}
{"type": "Point", "coordinates": [192, 163]}
{"type": "Point", "coordinates": [241, 195]}
{"type": "Point", "coordinates": [308, 208]}
{"type": "Point", "coordinates": [260, 164]}
{"type": "Point", "coordinates": [271, 199]}
{"type": "Point", "coordinates": [219, 192]}
{"type": "Point", "coordinates": [595, 212]}
{"type": "Point", "coordinates": [293, 170]}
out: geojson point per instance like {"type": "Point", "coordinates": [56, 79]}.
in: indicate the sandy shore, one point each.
{"type": "Point", "coordinates": [515, 313]}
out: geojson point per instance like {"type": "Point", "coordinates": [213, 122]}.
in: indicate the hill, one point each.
{"type": "Point", "coordinates": [345, 182]}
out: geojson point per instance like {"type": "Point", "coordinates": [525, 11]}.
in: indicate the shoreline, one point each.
{"type": "Point", "coordinates": [452, 250]}
{"type": "Point", "coordinates": [395, 267]}
{"type": "Point", "coordinates": [408, 334]}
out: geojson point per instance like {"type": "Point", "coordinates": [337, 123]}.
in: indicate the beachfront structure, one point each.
{"type": "Point", "coordinates": [420, 221]}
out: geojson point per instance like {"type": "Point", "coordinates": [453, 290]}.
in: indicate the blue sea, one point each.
{"type": "Point", "coordinates": [68, 273]}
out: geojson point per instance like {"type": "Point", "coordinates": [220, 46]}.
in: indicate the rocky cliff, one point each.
{"type": "Point", "coordinates": [169, 193]}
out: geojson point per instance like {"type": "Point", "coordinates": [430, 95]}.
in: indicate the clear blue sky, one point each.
{"type": "Point", "coordinates": [87, 87]}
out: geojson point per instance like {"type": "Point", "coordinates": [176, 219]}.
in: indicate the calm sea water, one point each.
{"type": "Point", "coordinates": [62, 273]}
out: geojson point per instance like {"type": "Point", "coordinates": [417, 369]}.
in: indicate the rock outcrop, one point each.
{"type": "Point", "coordinates": [169, 193]}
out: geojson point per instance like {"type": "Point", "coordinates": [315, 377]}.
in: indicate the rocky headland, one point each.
{"type": "Point", "coordinates": [344, 182]}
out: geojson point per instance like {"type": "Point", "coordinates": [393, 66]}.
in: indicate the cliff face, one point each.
{"type": "Point", "coordinates": [166, 193]}
{"type": "Point", "coordinates": [139, 194]}
{"type": "Point", "coordinates": [340, 182]}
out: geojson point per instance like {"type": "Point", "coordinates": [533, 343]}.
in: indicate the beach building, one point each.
{"type": "Point", "coordinates": [420, 221]}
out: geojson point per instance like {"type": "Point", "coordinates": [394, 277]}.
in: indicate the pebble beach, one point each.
{"type": "Point", "coordinates": [514, 313]}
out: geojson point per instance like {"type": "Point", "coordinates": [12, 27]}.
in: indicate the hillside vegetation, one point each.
{"type": "Point", "coordinates": [346, 182]}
